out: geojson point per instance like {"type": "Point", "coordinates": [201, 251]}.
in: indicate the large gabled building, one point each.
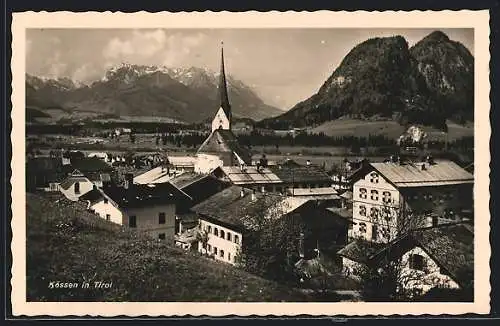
{"type": "Point", "coordinates": [395, 196]}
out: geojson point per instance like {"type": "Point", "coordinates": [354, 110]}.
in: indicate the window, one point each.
{"type": "Point", "coordinates": [209, 229]}
{"type": "Point", "coordinates": [385, 233]}
{"type": "Point", "coordinates": [228, 236]}
{"type": "Point", "coordinates": [105, 200]}
{"type": "Point", "coordinates": [387, 214]}
{"type": "Point", "coordinates": [362, 193]}
{"type": "Point", "coordinates": [374, 195]}
{"type": "Point", "coordinates": [229, 256]}
{"type": "Point", "coordinates": [161, 218]}
{"type": "Point", "coordinates": [236, 239]}
{"type": "Point", "coordinates": [77, 187]}
{"type": "Point", "coordinates": [222, 253]}
{"type": "Point", "coordinates": [108, 217]}
{"type": "Point", "coordinates": [362, 227]}
{"type": "Point", "coordinates": [362, 210]}
{"type": "Point", "coordinates": [417, 262]}
{"type": "Point", "coordinates": [209, 248]}
{"type": "Point", "coordinates": [374, 232]}
{"type": "Point", "coordinates": [132, 221]}
{"type": "Point", "coordinates": [387, 197]}
{"type": "Point", "coordinates": [374, 213]}
{"type": "Point", "coordinates": [430, 197]}
{"type": "Point", "coordinates": [216, 231]}
{"type": "Point", "coordinates": [373, 177]}
{"type": "Point", "coordinates": [161, 236]}
{"type": "Point", "coordinates": [222, 235]}
{"type": "Point", "coordinates": [53, 186]}
{"type": "Point", "coordinates": [215, 250]}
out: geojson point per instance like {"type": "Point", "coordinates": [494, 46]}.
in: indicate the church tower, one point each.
{"type": "Point", "coordinates": [222, 119]}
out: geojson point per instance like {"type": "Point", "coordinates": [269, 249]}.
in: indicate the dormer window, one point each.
{"type": "Point", "coordinates": [373, 177]}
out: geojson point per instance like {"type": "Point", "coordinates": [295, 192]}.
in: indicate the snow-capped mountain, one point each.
{"type": "Point", "coordinates": [186, 94]}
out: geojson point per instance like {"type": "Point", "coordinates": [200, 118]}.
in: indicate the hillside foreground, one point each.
{"type": "Point", "coordinates": [65, 243]}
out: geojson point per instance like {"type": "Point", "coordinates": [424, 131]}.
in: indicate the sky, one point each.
{"type": "Point", "coordinates": [283, 66]}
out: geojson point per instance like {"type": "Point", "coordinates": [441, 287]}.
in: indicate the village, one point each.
{"type": "Point", "coordinates": [401, 227]}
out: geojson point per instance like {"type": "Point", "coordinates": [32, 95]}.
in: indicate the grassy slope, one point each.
{"type": "Point", "coordinates": [391, 129]}
{"type": "Point", "coordinates": [66, 243]}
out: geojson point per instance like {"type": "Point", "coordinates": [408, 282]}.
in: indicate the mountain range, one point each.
{"type": "Point", "coordinates": [384, 78]}
{"type": "Point", "coordinates": [182, 94]}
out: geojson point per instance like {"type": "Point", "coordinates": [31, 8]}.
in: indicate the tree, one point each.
{"type": "Point", "coordinates": [270, 247]}
{"type": "Point", "coordinates": [386, 278]}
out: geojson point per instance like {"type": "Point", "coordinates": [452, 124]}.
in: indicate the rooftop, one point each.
{"type": "Point", "coordinates": [442, 172]}
{"type": "Point", "coordinates": [138, 195]}
{"type": "Point", "coordinates": [322, 191]}
{"type": "Point", "coordinates": [250, 175]}
{"type": "Point", "coordinates": [230, 207]}
{"type": "Point", "coordinates": [156, 175]}
{"type": "Point", "coordinates": [297, 174]}
{"type": "Point", "coordinates": [71, 180]}
{"type": "Point", "coordinates": [185, 179]}
{"type": "Point", "coordinates": [224, 141]}
{"type": "Point", "coordinates": [182, 161]}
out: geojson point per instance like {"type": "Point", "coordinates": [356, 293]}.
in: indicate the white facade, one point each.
{"type": "Point", "coordinates": [108, 211]}
{"type": "Point", "coordinates": [221, 121]}
{"type": "Point", "coordinates": [223, 243]}
{"type": "Point", "coordinates": [421, 273]}
{"type": "Point", "coordinates": [376, 205]}
{"type": "Point", "coordinates": [206, 163]}
{"type": "Point", "coordinates": [77, 189]}
{"type": "Point", "coordinates": [148, 219]}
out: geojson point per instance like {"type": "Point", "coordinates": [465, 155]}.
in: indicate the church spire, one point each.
{"type": "Point", "coordinates": [224, 99]}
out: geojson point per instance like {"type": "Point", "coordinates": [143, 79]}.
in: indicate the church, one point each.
{"type": "Point", "coordinates": [221, 148]}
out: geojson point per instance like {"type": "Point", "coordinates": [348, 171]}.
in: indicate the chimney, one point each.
{"type": "Point", "coordinates": [129, 180]}
{"type": "Point", "coordinates": [253, 195]}
{"type": "Point", "coordinates": [180, 226]}
{"type": "Point", "coordinates": [242, 193]}
{"type": "Point", "coordinates": [308, 162]}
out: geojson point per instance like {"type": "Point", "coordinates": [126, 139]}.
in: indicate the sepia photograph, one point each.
{"type": "Point", "coordinates": [228, 164]}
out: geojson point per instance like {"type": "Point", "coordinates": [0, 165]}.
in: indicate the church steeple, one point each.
{"type": "Point", "coordinates": [222, 119]}
{"type": "Point", "coordinates": [224, 99]}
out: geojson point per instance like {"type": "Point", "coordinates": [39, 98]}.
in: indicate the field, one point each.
{"type": "Point", "coordinates": [391, 129]}
{"type": "Point", "coordinates": [68, 244]}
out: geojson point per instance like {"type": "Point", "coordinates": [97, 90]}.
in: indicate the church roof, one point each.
{"type": "Point", "coordinates": [224, 141]}
{"type": "Point", "coordinates": [224, 98]}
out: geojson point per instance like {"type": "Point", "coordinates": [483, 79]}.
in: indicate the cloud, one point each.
{"type": "Point", "coordinates": [86, 73]}
{"type": "Point", "coordinates": [56, 68]}
{"type": "Point", "coordinates": [151, 47]}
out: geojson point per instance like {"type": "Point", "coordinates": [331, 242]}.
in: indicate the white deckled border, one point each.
{"type": "Point", "coordinates": [479, 20]}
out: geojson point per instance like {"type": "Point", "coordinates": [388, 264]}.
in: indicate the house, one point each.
{"type": "Point", "coordinates": [101, 155]}
{"type": "Point", "coordinates": [435, 257]}
{"type": "Point", "coordinates": [75, 185]}
{"type": "Point", "coordinates": [222, 145]}
{"type": "Point", "coordinates": [395, 196]}
{"type": "Point", "coordinates": [44, 173]}
{"type": "Point", "coordinates": [93, 168]}
{"type": "Point", "coordinates": [144, 208]}
{"type": "Point", "coordinates": [231, 216]}
{"type": "Point", "coordinates": [187, 240]}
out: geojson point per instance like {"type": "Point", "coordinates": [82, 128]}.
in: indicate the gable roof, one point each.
{"type": "Point", "coordinates": [451, 246]}
{"type": "Point", "coordinates": [138, 195]}
{"type": "Point", "coordinates": [185, 179]}
{"type": "Point", "coordinates": [299, 174]}
{"type": "Point", "coordinates": [94, 196]}
{"type": "Point", "coordinates": [224, 141]}
{"type": "Point", "coordinates": [230, 208]}
{"type": "Point", "coordinates": [249, 175]}
{"type": "Point", "coordinates": [71, 180]}
{"type": "Point", "coordinates": [442, 172]}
